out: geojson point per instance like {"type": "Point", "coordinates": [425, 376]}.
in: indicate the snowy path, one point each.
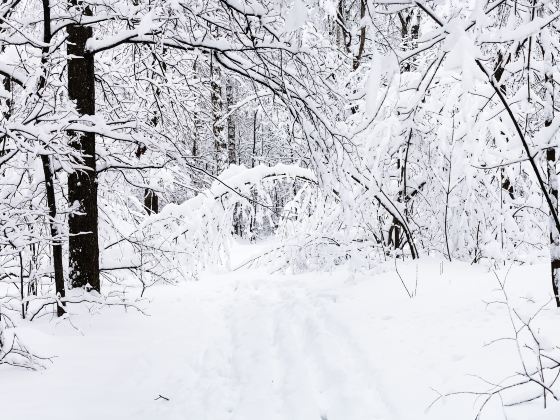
{"type": "Point", "coordinates": [272, 352]}
{"type": "Point", "coordinates": [253, 346]}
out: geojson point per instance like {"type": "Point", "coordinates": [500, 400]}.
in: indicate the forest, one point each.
{"type": "Point", "coordinates": [279, 209]}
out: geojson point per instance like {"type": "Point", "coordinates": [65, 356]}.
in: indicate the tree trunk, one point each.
{"type": "Point", "coordinates": [409, 34]}
{"type": "Point", "coordinates": [82, 183]}
{"type": "Point", "coordinates": [198, 126]}
{"type": "Point", "coordinates": [254, 151]}
{"type": "Point", "coordinates": [58, 267]}
{"type": "Point", "coordinates": [220, 146]}
{"type": "Point", "coordinates": [410, 30]}
{"type": "Point", "coordinates": [231, 146]}
{"type": "Point", "coordinates": [253, 220]}
{"type": "Point", "coordinates": [151, 201]}
{"type": "Point", "coordinates": [197, 133]}
{"type": "Point", "coordinates": [357, 59]}
{"type": "Point", "coordinates": [56, 244]}
{"type": "Point", "coordinates": [343, 37]}
{"type": "Point", "coordinates": [554, 234]}
{"type": "Point", "coordinates": [231, 152]}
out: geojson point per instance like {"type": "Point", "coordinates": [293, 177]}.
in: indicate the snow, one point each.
{"type": "Point", "coordinates": [239, 177]}
{"type": "Point", "coordinates": [520, 33]}
{"type": "Point", "coordinates": [462, 52]}
{"type": "Point", "coordinates": [371, 150]}
{"type": "Point", "coordinates": [296, 16]}
{"type": "Point", "coordinates": [251, 345]}
{"type": "Point", "coordinates": [18, 75]}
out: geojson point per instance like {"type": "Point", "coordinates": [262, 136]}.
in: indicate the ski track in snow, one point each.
{"type": "Point", "coordinates": [252, 346]}
{"type": "Point", "coordinates": [315, 374]}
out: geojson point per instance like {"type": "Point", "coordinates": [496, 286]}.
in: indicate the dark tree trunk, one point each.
{"type": "Point", "coordinates": [232, 152]}
{"type": "Point", "coordinates": [56, 244]}
{"type": "Point", "coordinates": [220, 146]}
{"type": "Point", "coordinates": [253, 219]}
{"type": "Point", "coordinates": [552, 186]}
{"type": "Point", "coordinates": [554, 234]}
{"type": "Point", "coordinates": [357, 57]}
{"type": "Point", "coordinates": [343, 37]}
{"type": "Point", "coordinates": [409, 33]}
{"type": "Point", "coordinates": [196, 135]}
{"type": "Point", "coordinates": [231, 146]}
{"type": "Point", "coordinates": [58, 267]}
{"type": "Point", "coordinates": [254, 152]}
{"type": "Point", "coordinates": [151, 201]}
{"type": "Point", "coordinates": [82, 183]}
{"type": "Point", "coordinates": [362, 40]}
{"type": "Point", "coordinates": [410, 30]}
{"type": "Point", "coordinates": [7, 112]}
{"type": "Point", "coordinates": [198, 126]}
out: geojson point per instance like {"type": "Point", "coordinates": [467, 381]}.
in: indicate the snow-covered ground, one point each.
{"type": "Point", "coordinates": [249, 345]}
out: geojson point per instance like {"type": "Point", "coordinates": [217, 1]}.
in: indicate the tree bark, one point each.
{"type": "Point", "coordinates": [409, 34]}
{"type": "Point", "coordinates": [151, 201]}
{"type": "Point", "coordinates": [232, 152]}
{"type": "Point", "coordinates": [56, 243]}
{"type": "Point", "coordinates": [82, 183]}
{"type": "Point", "coordinates": [231, 146]}
{"type": "Point", "coordinates": [343, 38]}
{"type": "Point", "coordinates": [554, 234]}
{"type": "Point", "coordinates": [362, 39]}
{"type": "Point", "coordinates": [198, 126]}
{"type": "Point", "coordinates": [220, 146]}
{"type": "Point", "coordinates": [58, 266]}
{"type": "Point", "coordinates": [410, 30]}
{"type": "Point", "coordinates": [254, 151]}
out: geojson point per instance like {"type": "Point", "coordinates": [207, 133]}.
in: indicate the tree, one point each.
{"type": "Point", "coordinates": [82, 182]}
{"type": "Point", "coordinates": [231, 145]}
{"type": "Point", "coordinates": [220, 144]}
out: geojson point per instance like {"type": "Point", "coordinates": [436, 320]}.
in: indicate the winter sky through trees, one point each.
{"type": "Point", "coordinates": [279, 209]}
